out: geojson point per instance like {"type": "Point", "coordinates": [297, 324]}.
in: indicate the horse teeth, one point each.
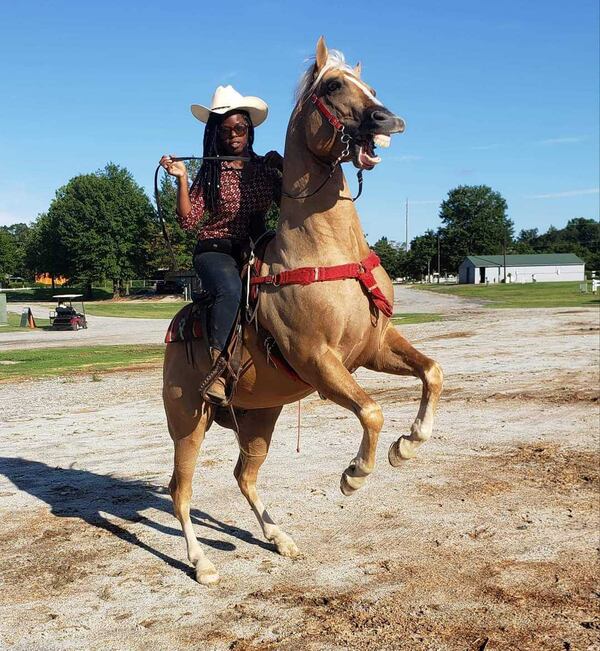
{"type": "Point", "coordinates": [382, 141]}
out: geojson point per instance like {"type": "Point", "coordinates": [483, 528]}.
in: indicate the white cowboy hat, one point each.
{"type": "Point", "coordinates": [225, 99]}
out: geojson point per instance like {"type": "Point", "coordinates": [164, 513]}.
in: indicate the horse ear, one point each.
{"type": "Point", "coordinates": [322, 53]}
{"type": "Point", "coordinates": [357, 69]}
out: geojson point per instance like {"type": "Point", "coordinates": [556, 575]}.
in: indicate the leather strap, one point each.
{"type": "Point", "coordinates": [362, 271]}
{"type": "Point", "coordinates": [326, 113]}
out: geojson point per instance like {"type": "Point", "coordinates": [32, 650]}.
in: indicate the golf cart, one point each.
{"type": "Point", "coordinates": [67, 317]}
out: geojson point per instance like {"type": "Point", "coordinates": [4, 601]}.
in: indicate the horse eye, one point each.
{"type": "Point", "coordinates": [333, 85]}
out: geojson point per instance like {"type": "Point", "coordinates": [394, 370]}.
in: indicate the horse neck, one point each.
{"type": "Point", "coordinates": [323, 229]}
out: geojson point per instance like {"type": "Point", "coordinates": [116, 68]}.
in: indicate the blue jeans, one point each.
{"type": "Point", "coordinates": [219, 274]}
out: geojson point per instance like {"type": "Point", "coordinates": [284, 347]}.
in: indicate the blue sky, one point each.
{"type": "Point", "coordinates": [503, 94]}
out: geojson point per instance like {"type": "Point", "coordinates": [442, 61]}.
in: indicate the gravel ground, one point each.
{"type": "Point", "coordinates": [487, 540]}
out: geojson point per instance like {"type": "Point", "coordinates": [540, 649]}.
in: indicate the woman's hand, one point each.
{"type": "Point", "coordinates": [275, 160]}
{"type": "Point", "coordinates": [174, 168]}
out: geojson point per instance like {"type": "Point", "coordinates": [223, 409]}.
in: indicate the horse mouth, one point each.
{"type": "Point", "coordinates": [364, 151]}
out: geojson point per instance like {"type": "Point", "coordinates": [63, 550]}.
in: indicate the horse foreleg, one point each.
{"type": "Point", "coordinates": [255, 431]}
{"type": "Point", "coordinates": [398, 356]}
{"type": "Point", "coordinates": [331, 379]}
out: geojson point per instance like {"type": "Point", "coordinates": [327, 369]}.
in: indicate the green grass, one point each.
{"type": "Point", "coordinates": [46, 294]}
{"type": "Point", "coordinates": [48, 362]}
{"type": "Point", "coordinates": [565, 294]}
{"type": "Point", "coordinates": [415, 317]}
{"type": "Point", "coordinates": [14, 321]}
{"type": "Point", "coordinates": [137, 310]}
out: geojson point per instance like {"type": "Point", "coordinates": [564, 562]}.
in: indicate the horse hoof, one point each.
{"type": "Point", "coordinates": [206, 574]}
{"type": "Point", "coordinates": [400, 451]}
{"type": "Point", "coordinates": [286, 547]}
{"type": "Point", "coordinates": [349, 484]}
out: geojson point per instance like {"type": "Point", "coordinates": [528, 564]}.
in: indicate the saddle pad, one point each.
{"type": "Point", "coordinates": [184, 326]}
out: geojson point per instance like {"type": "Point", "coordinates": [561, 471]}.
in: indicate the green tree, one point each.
{"type": "Point", "coordinates": [391, 255]}
{"type": "Point", "coordinates": [9, 255]}
{"type": "Point", "coordinates": [45, 252]}
{"type": "Point", "coordinates": [475, 223]}
{"type": "Point", "coordinates": [19, 234]}
{"type": "Point", "coordinates": [422, 254]}
{"type": "Point", "coordinates": [103, 221]}
{"type": "Point", "coordinates": [182, 242]}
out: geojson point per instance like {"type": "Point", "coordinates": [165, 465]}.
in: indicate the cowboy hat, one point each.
{"type": "Point", "coordinates": [225, 99]}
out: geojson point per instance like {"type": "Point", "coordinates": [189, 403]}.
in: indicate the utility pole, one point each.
{"type": "Point", "coordinates": [439, 267]}
{"type": "Point", "coordinates": [504, 252]}
{"type": "Point", "coordinates": [406, 243]}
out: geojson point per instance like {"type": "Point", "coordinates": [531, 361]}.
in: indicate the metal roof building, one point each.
{"type": "Point", "coordinates": [535, 267]}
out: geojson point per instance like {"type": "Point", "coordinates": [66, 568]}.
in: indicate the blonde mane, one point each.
{"type": "Point", "coordinates": [308, 82]}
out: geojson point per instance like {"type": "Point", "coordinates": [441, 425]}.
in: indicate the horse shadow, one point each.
{"type": "Point", "coordinates": [72, 492]}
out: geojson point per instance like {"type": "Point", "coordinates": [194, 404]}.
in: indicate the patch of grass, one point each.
{"type": "Point", "coordinates": [46, 294]}
{"type": "Point", "coordinates": [49, 362]}
{"type": "Point", "coordinates": [14, 321]}
{"type": "Point", "coordinates": [415, 317]}
{"type": "Point", "coordinates": [131, 309]}
{"type": "Point", "coordinates": [565, 294]}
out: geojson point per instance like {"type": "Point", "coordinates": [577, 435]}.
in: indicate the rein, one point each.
{"type": "Point", "coordinates": [345, 138]}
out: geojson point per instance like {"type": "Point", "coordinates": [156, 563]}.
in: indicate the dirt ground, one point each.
{"type": "Point", "coordinates": [488, 540]}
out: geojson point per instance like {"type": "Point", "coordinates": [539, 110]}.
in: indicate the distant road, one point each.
{"type": "Point", "coordinates": [105, 330]}
{"type": "Point", "coordinates": [101, 330]}
{"type": "Point", "coordinates": [408, 300]}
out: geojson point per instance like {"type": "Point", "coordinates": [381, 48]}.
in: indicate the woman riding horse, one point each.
{"type": "Point", "coordinates": [226, 205]}
{"type": "Point", "coordinates": [331, 320]}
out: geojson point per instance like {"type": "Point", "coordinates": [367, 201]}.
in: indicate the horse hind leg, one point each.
{"type": "Point", "coordinates": [187, 427]}
{"type": "Point", "coordinates": [399, 357]}
{"type": "Point", "coordinates": [255, 431]}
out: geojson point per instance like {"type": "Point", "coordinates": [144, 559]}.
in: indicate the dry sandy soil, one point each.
{"type": "Point", "coordinates": [488, 540]}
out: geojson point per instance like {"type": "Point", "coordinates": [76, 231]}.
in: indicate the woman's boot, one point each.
{"type": "Point", "coordinates": [216, 391]}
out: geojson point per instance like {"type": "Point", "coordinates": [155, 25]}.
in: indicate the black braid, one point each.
{"type": "Point", "coordinates": [209, 175]}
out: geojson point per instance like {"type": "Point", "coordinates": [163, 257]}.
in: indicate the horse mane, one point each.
{"type": "Point", "coordinates": [308, 82]}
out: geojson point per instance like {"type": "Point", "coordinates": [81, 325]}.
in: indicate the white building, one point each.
{"type": "Point", "coordinates": [537, 267]}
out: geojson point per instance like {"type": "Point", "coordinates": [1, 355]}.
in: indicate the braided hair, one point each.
{"type": "Point", "coordinates": [208, 178]}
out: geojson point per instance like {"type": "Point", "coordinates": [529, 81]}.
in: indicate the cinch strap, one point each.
{"type": "Point", "coordinates": [362, 271]}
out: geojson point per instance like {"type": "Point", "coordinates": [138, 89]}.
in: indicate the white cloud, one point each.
{"type": "Point", "coordinates": [567, 193]}
{"type": "Point", "coordinates": [484, 147]}
{"type": "Point", "coordinates": [561, 141]}
{"type": "Point", "coordinates": [406, 158]}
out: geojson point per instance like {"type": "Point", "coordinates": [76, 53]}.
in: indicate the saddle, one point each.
{"type": "Point", "coordinates": [191, 323]}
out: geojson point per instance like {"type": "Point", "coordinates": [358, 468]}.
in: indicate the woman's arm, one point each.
{"type": "Point", "coordinates": [179, 171]}
{"type": "Point", "coordinates": [184, 203]}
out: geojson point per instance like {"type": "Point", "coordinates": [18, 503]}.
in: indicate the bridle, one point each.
{"type": "Point", "coordinates": [345, 138]}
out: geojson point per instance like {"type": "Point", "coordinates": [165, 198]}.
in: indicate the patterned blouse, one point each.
{"type": "Point", "coordinates": [244, 193]}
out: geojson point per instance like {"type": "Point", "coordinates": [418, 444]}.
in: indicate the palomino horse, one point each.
{"type": "Point", "coordinates": [325, 330]}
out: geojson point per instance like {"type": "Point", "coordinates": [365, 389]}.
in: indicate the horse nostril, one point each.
{"type": "Point", "coordinates": [379, 116]}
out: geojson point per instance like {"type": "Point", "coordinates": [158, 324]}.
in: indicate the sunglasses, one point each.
{"type": "Point", "coordinates": [237, 129]}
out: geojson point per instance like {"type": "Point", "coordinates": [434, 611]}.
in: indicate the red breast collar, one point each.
{"type": "Point", "coordinates": [362, 271]}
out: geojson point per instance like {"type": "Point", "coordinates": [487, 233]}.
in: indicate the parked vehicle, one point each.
{"type": "Point", "coordinates": [67, 316]}
{"type": "Point", "coordinates": [168, 287]}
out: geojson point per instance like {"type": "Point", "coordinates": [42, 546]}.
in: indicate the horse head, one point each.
{"type": "Point", "coordinates": [332, 94]}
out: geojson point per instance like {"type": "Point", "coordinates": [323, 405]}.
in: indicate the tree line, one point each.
{"type": "Point", "coordinates": [474, 222]}
{"type": "Point", "coordinates": [103, 227]}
